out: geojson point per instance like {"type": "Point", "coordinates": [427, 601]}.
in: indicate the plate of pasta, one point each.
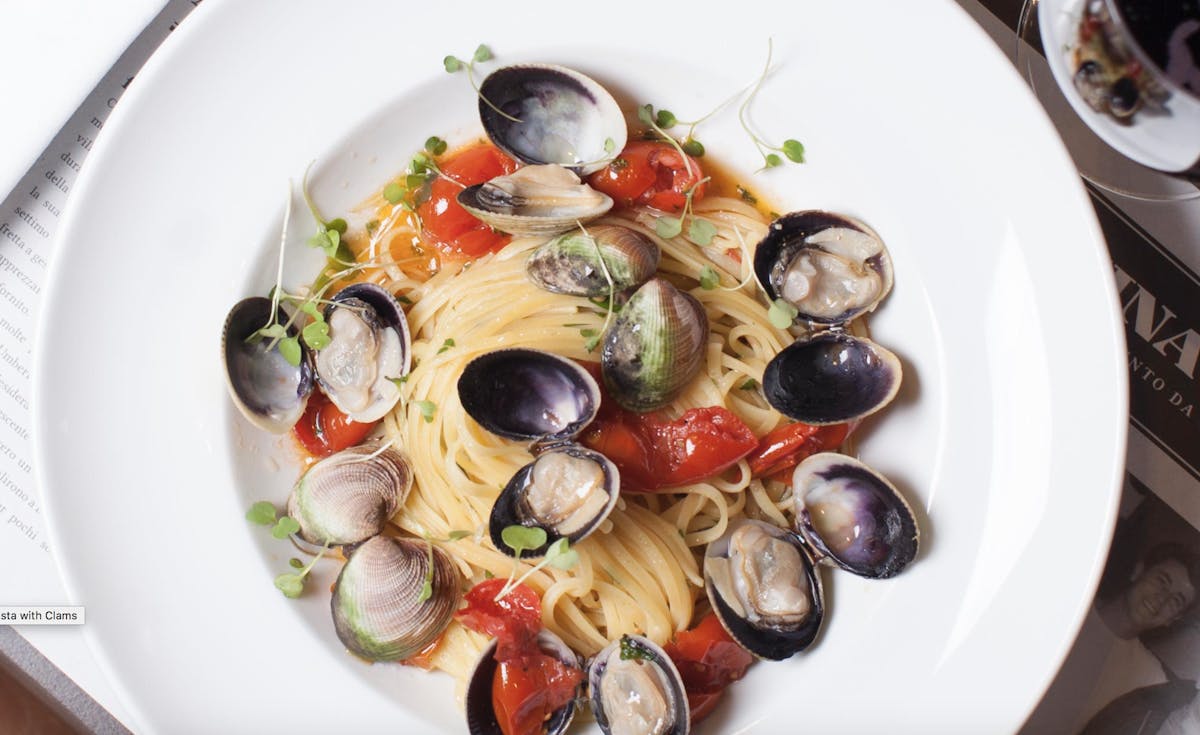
{"type": "Point", "coordinates": [580, 383]}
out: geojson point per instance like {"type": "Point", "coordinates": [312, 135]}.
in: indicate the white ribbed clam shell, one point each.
{"type": "Point", "coordinates": [349, 496]}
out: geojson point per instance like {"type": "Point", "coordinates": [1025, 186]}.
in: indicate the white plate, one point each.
{"type": "Point", "coordinates": [1009, 432]}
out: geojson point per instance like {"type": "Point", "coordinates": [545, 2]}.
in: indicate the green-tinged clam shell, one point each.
{"type": "Point", "coordinates": [654, 347]}
{"type": "Point", "coordinates": [377, 607]}
{"type": "Point", "coordinates": [571, 263]}
{"type": "Point", "coordinates": [349, 496]}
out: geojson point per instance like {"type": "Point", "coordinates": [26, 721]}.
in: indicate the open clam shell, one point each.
{"type": "Point", "coordinates": [481, 713]}
{"type": "Point", "coordinates": [377, 608]}
{"type": "Point", "coordinates": [654, 347]}
{"type": "Point", "coordinates": [831, 377]}
{"type": "Point", "coordinates": [369, 346]}
{"type": "Point", "coordinates": [566, 491]}
{"type": "Point", "coordinates": [551, 114]}
{"type": "Point", "coordinates": [536, 200]}
{"type": "Point", "coordinates": [634, 687]}
{"type": "Point", "coordinates": [765, 589]}
{"type": "Point", "coordinates": [854, 516]}
{"type": "Point", "coordinates": [528, 394]}
{"type": "Point", "coordinates": [830, 267]}
{"type": "Point", "coordinates": [349, 496]}
{"type": "Point", "coordinates": [574, 263]}
{"type": "Point", "coordinates": [270, 392]}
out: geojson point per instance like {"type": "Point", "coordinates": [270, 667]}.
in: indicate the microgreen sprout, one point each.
{"type": "Point", "coordinates": [292, 584]}
{"type": "Point", "coordinates": [559, 554]}
{"type": "Point", "coordinates": [700, 230]}
{"type": "Point", "coordinates": [709, 279]}
{"type": "Point", "coordinates": [426, 591]}
{"type": "Point", "coordinates": [453, 65]}
{"type": "Point", "coordinates": [262, 513]}
{"type": "Point", "coordinates": [427, 409]}
{"type": "Point", "coordinates": [781, 314]}
{"type": "Point", "coordinates": [792, 149]}
{"type": "Point", "coordinates": [446, 345]}
{"type": "Point", "coordinates": [631, 649]}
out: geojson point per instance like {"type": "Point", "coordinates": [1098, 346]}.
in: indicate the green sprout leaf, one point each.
{"type": "Point", "coordinates": [338, 225]}
{"type": "Point", "coordinates": [435, 145]}
{"type": "Point", "coordinates": [273, 331]}
{"type": "Point", "coordinates": [399, 381]}
{"type": "Point", "coordinates": [452, 64]}
{"type": "Point", "coordinates": [457, 535]}
{"type": "Point", "coordinates": [262, 513]}
{"type": "Point", "coordinates": [289, 347]}
{"type": "Point", "coordinates": [394, 193]}
{"type": "Point", "coordinates": [285, 527]}
{"type": "Point", "coordinates": [311, 308]}
{"type": "Point", "coordinates": [482, 53]}
{"type": "Point", "coordinates": [520, 538]}
{"type": "Point", "coordinates": [591, 338]}
{"type": "Point", "coordinates": [794, 150]}
{"type": "Point", "coordinates": [773, 160]}
{"type": "Point", "coordinates": [427, 409]}
{"type": "Point", "coordinates": [446, 345]}
{"type": "Point", "coordinates": [316, 335]}
{"type": "Point", "coordinates": [665, 119]}
{"type": "Point", "coordinates": [668, 227]}
{"type": "Point", "coordinates": [295, 563]}
{"type": "Point", "coordinates": [781, 314]}
{"type": "Point", "coordinates": [426, 588]}
{"type": "Point", "coordinates": [693, 148]}
{"type": "Point", "coordinates": [709, 278]}
{"type": "Point", "coordinates": [610, 146]}
{"type": "Point", "coordinates": [560, 555]}
{"type": "Point", "coordinates": [701, 231]}
{"type": "Point", "coordinates": [646, 114]}
{"type": "Point", "coordinates": [749, 384]}
{"type": "Point", "coordinates": [631, 649]}
{"type": "Point", "coordinates": [291, 585]}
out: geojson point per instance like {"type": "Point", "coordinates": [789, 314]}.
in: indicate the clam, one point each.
{"type": "Point", "coordinates": [654, 347]}
{"type": "Point", "coordinates": [830, 267]}
{"type": "Point", "coordinates": [377, 604]}
{"type": "Point", "coordinates": [635, 689]}
{"type": "Point", "coordinates": [349, 496]}
{"type": "Point", "coordinates": [537, 200]}
{"type": "Point", "coordinates": [481, 712]}
{"type": "Point", "coordinates": [831, 377]}
{"type": "Point", "coordinates": [270, 392]}
{"type": "Point", "coordinates": [566, 491]}
{"type": "Point", "coordinates": [369, 347]}
{"type": "Point", "coordinates": [540, 113]}
{"type": "Point", "coordinates": [853, 516]}
{"type": "Point", "coordinates": [574, 263]}
{"type": "Point", "coordinates": [522, 394]}
{"type": "Point", "coordinates": [762, 583]}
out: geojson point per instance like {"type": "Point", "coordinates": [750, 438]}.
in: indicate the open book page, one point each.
{"type": "Point", "coordinates": [1135, 665]}
{"type": "Point", "coordinates": [29, 218]}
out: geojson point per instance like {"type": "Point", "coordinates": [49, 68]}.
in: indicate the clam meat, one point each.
{"type": "Point", "coordinates": [764, 587]}
{"type": "Point", "coordinates": [348, 497]}
{"type": "Point", "coordinates": [582, 263]}
{"type": "Point", "coordinates": [541, 113]}
{"type": "Point", "coordinates": [369, 347]}
{"type": "Point", "coordinates": [539, 200]}
{"type": "Point", "coordinates": [654, 347]}
{"type": "Point", "coordinates": [268, 390]}
{"type": "Point", "coordinates": [377, 608]}
{"type": "Point", "coordinates": [635, 689]}
{"type": "Point", "coordinates": [831, 377]}
{"type": "Point", "coordinates": [830, 267]}
{"type": "Point", "coordinates": [854, 516]}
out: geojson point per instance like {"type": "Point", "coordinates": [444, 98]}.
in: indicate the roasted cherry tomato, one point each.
{"type": "Point", "coordinates": [784, 448]}
{"type": "Point", "coordinates": [451, 229]}
{"type": "Point", "coordinates": [708, 660]}
{"type": "Point", "coordinates": [324, 429]}
{"type": "Point", "coordinates": [651, 173]}
{"type": "Point", "coordinates": [527, 691]}
{"type": "Point", "coordinates": [528, 684]}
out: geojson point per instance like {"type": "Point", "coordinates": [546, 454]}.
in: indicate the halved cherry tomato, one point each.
{"type": "Point", "coordinates": [654, 453]}
{"type": "Point", "coordinates": [528, 684]}
{"type": "Point", "coordinates": [450, 228]}
{"type": "Point", "coordinates": [324, 429]}
{"type": "Point", "coordinates": [526, 692]}
{"type": "Point", "coordinates": [651, 173]}
{"type": "Point", "coordinates": [785, 447]}
{"type": "Point", "coordinates": [708, 660]}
